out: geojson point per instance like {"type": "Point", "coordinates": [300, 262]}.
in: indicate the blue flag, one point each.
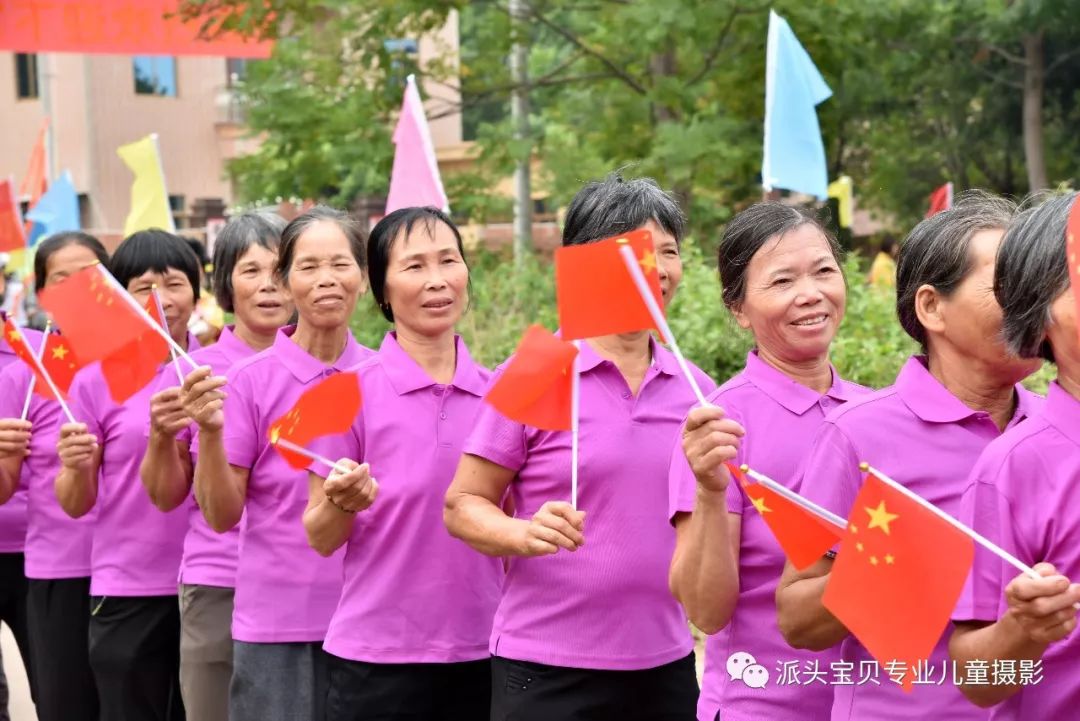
{"type": "Point", "coordinates": [794, 152]}
{"type": "Point", "coordinates": [56, 210]}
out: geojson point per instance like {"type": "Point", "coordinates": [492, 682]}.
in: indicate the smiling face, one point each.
{"type": "Point", "coordinates": [259, 301]}
{"type": "Point", "coordinates": [325, 280]}
{"type": "Point", "coordinates": [795, 296]}
{"type": "Point", "coordinates": [427, 281]}
{"type": "Point", "coordinates": [176, 294]}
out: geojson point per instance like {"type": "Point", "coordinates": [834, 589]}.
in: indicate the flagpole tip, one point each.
{"type": "Point", "coordinates": [744, 468]}
{"type": "Point", "coordinates": [864, 467]}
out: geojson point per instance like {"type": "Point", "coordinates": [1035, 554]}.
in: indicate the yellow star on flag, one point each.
{"type": "Point", "coordinates": [873, 560]}
{"type": "Point", "coordinates": [275, 433]}
{"type": "Point", "coordinates": [759, 504]}
{"type": "Point", "coordinates": [880, 517]}
{"type": "Point", "coordinates": [889, 559]}
{"type": "Point", "coordinates": [14, 336]}
{"type": "Point", "coordinates": [859, 547]}
{"type": "Point", "coordinates": [648, 261]}
{"type": "Point", "coordinates": [59, 352]}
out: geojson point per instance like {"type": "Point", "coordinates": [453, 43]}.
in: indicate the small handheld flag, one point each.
{"type": "Point", "coordinates": [326, 408]}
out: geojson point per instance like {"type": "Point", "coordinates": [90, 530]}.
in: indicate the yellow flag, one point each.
{"type": "Point", "coordinates": [149, 199]}
{"type": "Point", "coordinates": [841, 189]}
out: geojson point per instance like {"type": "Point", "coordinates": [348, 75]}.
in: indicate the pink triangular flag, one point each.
{"type": "Point", "coordinates": [415, 178]}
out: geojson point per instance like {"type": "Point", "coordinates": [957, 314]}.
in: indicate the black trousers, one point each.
{"type": "Point", "coordinates": [408, 691]}
{"type": "Point", "coordinates": [13, 610]}
{"type": "Point", "coordinates": [525, 691]}
{"type": "Point", "coordinates": [135, 657]}
{"type": "Point", "coordinates": [59, 622]}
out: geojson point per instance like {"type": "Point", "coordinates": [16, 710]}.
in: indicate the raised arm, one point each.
{"type": "Point", "coordinates": [220, 488]}
{"type": "Point", "coordinates": [166, 470]}
{"type": "Point", "coordinates": [704, 574]}
{"type": "Point", "coordinates": [76, 485]}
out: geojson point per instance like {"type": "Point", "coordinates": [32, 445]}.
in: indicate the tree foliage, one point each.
{"type": "Point", "coordinates": [924, 91]}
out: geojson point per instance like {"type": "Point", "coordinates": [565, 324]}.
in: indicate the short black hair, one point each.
{"type": "Point", "coordinates": [613, 206]}
{"type": "Point", "coordinates": [156, 250]}
{"type": "Point", "coordinates": [1030, 273]}
{"type": "Point", "coordinates": [59, 241]}
{"type": "Point", "coordinates": [936, 252]}
{"type": "Point", "coordinates": [240, 233]}
{"type": "Point", "coordinates": [299, 225]}
{"type": "Point", "coordinates": [749, 231]}
{"type": "Point", "coordinates": [400, 223]}
{"type": "Point", "coordinates": [888, 243]}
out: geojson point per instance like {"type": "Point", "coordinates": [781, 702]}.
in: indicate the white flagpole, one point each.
{"type": "Point", "coordinates": [290, 446]}
{"type": "Point", "coordinates": [575, 413]}
{"type": "Point", "coordinates": [122, 292]}
{"type": "Point", "coordinates": [33, 377]}
{"type": "Point", "coordinates": [822, 513]}
{"type": "Point", "coordinates": [972, 533]}
{"type": "Point", "coordinates": [48, 379]}
{"type": "Point", "coordinates": [636, 273]}
{"type": "Point", "coordinates": [172, 352]}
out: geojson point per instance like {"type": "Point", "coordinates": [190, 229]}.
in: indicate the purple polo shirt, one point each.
{"type": "Point", "coordinates": [136, 548]}
{"type": "Point", "coordinates": [606, 605]}
{"type": "Point", "coordinates": [13, 513]}
{"type": "Point", "coordinates": [412, 593]}
{"type": "Point", "coordinates": [781, 417]}
{"type": "Point", "coordinates": [57, 545]}
{"type": "Point", "coordinates": [1021, 495]}
{"type": "Point", "coordinates": [285, 591]}
{"type": "Point", "coordinates": [209, 558]}
{"type": "Point", "coordinates": [925, 438]}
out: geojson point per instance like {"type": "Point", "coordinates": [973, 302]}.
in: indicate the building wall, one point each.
{"type": "Point", "coordinates": [95, 109]}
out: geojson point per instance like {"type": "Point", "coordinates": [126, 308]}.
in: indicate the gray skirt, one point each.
{"type": "Point", "coordinates": [278, 682]}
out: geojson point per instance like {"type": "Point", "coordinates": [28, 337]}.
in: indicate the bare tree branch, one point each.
{"type": "Point", "coordinates": [580, 44]}
{"type": "Point", "coordinates": [717, 47]}
{"type": "Point", "coordinates": [1062, 59]}
{"type": "Point", "coordinates": [1011, 57]}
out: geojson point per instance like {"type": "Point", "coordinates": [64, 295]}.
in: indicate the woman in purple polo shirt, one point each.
{"type": "Point", "coordinates": [1022, 494]}
{"type": "Point", "coordinates": [408, 641]}
{"type": "Point", "coordinates": [780, 272]}
{"type": "Point", "coordinates": [57, 546]}
{"type": "Point", "coordinates": [285, 592]}
{"type": "Point", "coordinates": [134, 618]}
{"type": "Point", "coordinates": [245, 284]}
{"type": "Point", "coordinates": [925, 431]}
{"type": "Point", "coordinates": [586, 626]}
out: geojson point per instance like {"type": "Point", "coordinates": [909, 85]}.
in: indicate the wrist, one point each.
{"type": "Point", "coordinates": [710, 496]}
{"type": "Point", "coordinates": [340, 508]}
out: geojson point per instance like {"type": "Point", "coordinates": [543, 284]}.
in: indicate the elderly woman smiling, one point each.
{"type": "Point", "coordinates": [1021, 492]}
{"type": "Point", "coordinates": [926, 431]}
{"type": "Point", "coordinates": [781, 276]}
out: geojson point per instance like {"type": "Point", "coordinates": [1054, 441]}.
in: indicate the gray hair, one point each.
{"type": "Point", "coordinates": [613, 206]}
{"type": "Point", "coordinates": [749, 231]}
{"type": "Point", "coordinates": [936, 252]}
{"type": "Point", "coordinates": [318, 214]}
{"type": "Point", "coordinates": [240, 233]}
{"type": "Point", "coordinates": [1030, 273]}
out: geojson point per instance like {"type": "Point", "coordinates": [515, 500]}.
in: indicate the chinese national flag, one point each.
{"type": "Point", "coordinates": [536, 385]}
{"type": "Point", "coordinates": [95, 319]}
{"type": "Point", "coordinates": [596, 295]}
{"type": "Point", "coordinates": [1072, 252]}
{"type": "Point", "coordinates": [897, 576]}
{"type": "Point", "coordinates": [25, 353]}
{"type": "Point", "coordinates": [131, 368]}
{"type": "Point", "coordinates": [322, 410]}
{"type": "Point", "coordinates": [60, 363]}
{"type": "Point", "coordinates": [804, 536]}
{"type": "Point", "coordinates": [12, 236]}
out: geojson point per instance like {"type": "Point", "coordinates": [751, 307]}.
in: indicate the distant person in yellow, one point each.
{"type": "Point", "coordinates": [883, 269]}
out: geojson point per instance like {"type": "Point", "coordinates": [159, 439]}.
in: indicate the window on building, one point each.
{"type": "Point", "coordinates": [403, 62]}
{"type": "Point", "coordinates": [235, 70]}
{"type": "Point", "coordinates": [154, 75]}
{"type": "Point", "coordinates": [26, 76]}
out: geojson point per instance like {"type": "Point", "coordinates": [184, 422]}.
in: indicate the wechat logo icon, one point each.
{"type": "Point", "coordinates": [742, 666]}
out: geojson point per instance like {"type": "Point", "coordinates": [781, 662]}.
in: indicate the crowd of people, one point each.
{"type": "Point", "coordinates": [160, 559]}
